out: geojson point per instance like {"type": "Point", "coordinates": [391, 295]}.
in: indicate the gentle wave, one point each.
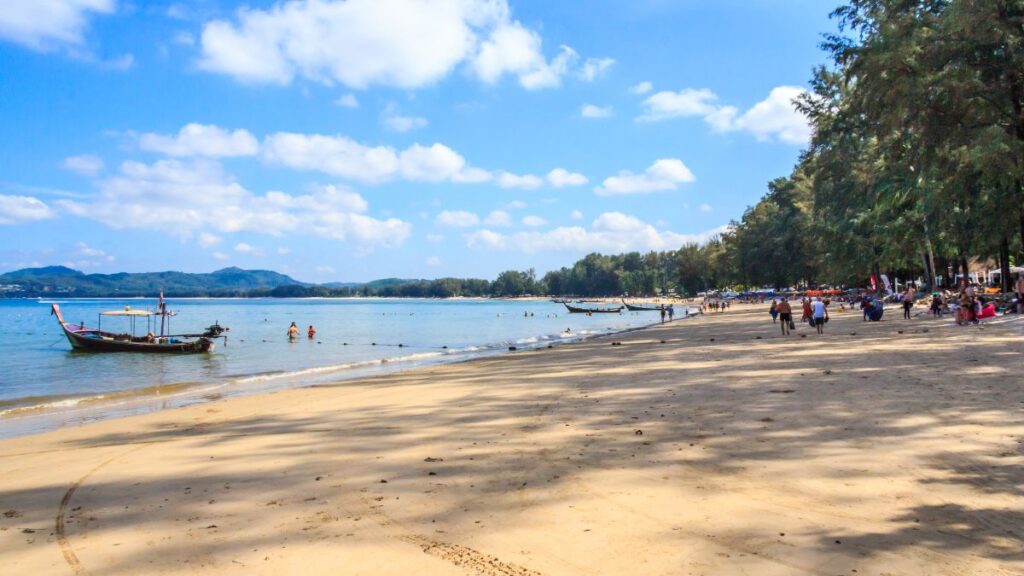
{"type": "Point", "coordinates": [32, 404]}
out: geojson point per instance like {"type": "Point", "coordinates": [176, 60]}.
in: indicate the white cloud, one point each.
{"type": "Point", "coordinates": [611, 232]}
{"type": "Point", "coordinates": [593, 111]}
{"type": "Point", "coordinates": [186, 197]}
{"type": "Point", "coordinates": [594, 68]}
{"type": "Point", "coordinates": [86, 164]}
{"type": "Point", "coordinates": [219, 255]}
{"type": "Point", "coordinates": [576, 215]}
{"type": "Point", "coordinates": [346, 158]}
{"type": "Point", "coordinates": [641, 88]}
{"type": "Point", "coordinates": [243, 248]}
{"type": "Point", "coordinates": [18, 209]}
{"type": "Point", "coordinates": [774, 118]}
{"type": "Point", "coordinates": [325, 269]}
{"type": "Point", "coordinates": [207, 240]}
{"type": "Point", "coordinates": [498, 218]}
{"type": "Point", "coordinates": [534, 221]}
{"type": "Point", "coordinates": [397, 123]}
{"type": "Point", "coordinates": [86, 250]}
{"type": "Point", "coordinates": [202, 140]}
{"type": "Point", "coordinates": [525, 181]}
{"type": "Point", "coordinates": [664, 174]}
{"type": "Point", "coordinates": [560, 178]}
{"type": "Point", "coordinates": [457, 218]}
{"type": "Point", "coordinates": [347, 101]}
{"type": "Point", "coordinates": [362, 43]}
{"type": "Point", "coordinates": [284, 251]}
{"type": "Point", "coordinates": [45, 25]}
{"type": "Point", "coordinates": [435, 238]}
{"type": "Point", "coordinates": [516, 205]}
{"type": "Point", "coordinates": [433, 261]}
{"type": "Point", "coordinates": [687, 102]}
{"type": "Point", "coordinates": [705, 208]}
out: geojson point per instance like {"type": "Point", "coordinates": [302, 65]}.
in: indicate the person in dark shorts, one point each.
{"type": "Point", "coordinates": [785, 315]}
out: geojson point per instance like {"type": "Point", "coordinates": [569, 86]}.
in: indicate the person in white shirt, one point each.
{"type": "Point", "coordinates": [818, 313]}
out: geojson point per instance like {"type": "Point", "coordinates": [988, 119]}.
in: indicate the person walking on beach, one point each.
{"type": "Point", "coordinates": [806, 317]}
{"type": "Point", "coordinates": [774, 311]}
{"type": "Point", "coordinates": [785, 315]}
{"type": "Point", "coordinates": [818, 314]}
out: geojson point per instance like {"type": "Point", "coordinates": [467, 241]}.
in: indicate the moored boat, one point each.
{"type": "Point", "coordinates": [643, 308]}
{"type": "Point", "coordinates": [96, 340]}
{"type": "Point", "coordinates": [579, 310]}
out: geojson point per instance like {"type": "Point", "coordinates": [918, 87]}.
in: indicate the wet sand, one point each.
{"type": "Point", "coordinates": [727, 449]}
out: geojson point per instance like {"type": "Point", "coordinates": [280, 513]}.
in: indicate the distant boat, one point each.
{"type": "Point", "coordinates": [96, 340]}
{"type": "Point", "coordinates": [642, 308]}
{"type": "Point", "coordinates": [578, 310]}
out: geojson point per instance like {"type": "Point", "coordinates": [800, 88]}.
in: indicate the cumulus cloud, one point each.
{"type": "Point", "coordinates": [610, 232]}
{"type": "Point", "coordinates": [207, 240]}
{"type": "Point", "coordinates": [45, 25]}
{"type": "Point", "coordinates": [90, 252]}
{"type": "Point", "coordinates": [19, 209]}
{"type": "Point", "coordinates": [534, 221]}
{"type": "Point", "coordinates": [594, 68]}
{"type": "Point", "coordinates": [594, 111]}
{"type": "Point", "coordinates": [576, 215]}
{"type": "Point", "coordinates": [186, 197]}
{"type": "Point", "coordinates": [347, 101]}
{"type": "Point", "coordinates": [498, 218]}
{"type": "Point", "coordinates": [362, 43]}
{"type": "Point", "coordinates": [457, 219]}
{"type": "Point", "coordinates": [202, 140]}
{"type": "Point", "coordinates": [774, 118]}
{"type": "Point", "coordinates": [664, 174]}
{"type": "Point", "coordinates": [705, 207]}
{"type": "Point", "coordinates": [525, 181]}
{"type": "Point", "coordinates": [641, 88]}
{"type": "Point", "coordinates": [343, 157]}
{"type": "Point", "coordinates": [398, 123]}
{"type": "Point", "coordinates": [86, 164]}
{"type": "Point", "coordinates": [243, 248]}
{"type": "Point", "coordinates": [560, 178]}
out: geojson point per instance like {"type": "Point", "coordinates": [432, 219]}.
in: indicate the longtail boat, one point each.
{"type": "Point", "coordinates": [641, 308]}
{"type": "Point", "coordinates": [578, 310]}
{"type": "Point", "coordinates": [97, 340]}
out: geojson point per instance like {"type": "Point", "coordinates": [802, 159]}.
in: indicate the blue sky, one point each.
{"type": "Point", "coordinates": [359, 139]}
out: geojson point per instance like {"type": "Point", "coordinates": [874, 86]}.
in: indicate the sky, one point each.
{"type": "Point", "coordinates": [349, 140]}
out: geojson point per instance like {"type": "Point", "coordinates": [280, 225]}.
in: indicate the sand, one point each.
{"type": "Point", "coordinates": [727, 449]}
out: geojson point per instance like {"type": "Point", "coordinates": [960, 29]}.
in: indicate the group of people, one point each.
{"type": "Point", "coordinates": [667, 311]}
{"type": "Point", "coordinates": [293, 332]}
{"type": "Point", "coordinates": [815, 313]}
{"type": "Point", "coordinates": [714, 306]}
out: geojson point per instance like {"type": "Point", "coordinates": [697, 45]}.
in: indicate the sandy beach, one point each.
{"type": "Point", "coordinates": [706, 447]}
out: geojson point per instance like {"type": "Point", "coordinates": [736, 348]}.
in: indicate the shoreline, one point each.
{"type": "Point", "coordinates": [725, 450]}
{"type": "Point", "coordinates": [47, 413]}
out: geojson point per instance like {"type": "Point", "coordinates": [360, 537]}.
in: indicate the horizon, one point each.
{"type": "Point", "coordinates": [487, 136]}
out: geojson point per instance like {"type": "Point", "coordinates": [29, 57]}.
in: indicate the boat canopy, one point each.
{"type": "Point", "coordinates": [129, 313]}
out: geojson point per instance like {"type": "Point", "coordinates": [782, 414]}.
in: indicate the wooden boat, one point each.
{"type": "Point", "coordinates": [649, 308]}
{"type": "Point", "coordinates": [578, 310]}
{"type": "Point", "coordinates": [97, 340]}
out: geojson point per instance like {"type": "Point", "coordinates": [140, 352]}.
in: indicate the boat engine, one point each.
{"type": "Point", "coordinates": [215, 331]}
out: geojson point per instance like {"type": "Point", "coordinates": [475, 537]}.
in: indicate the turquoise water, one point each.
{"type": "Point", "coordinates": [43, 384]}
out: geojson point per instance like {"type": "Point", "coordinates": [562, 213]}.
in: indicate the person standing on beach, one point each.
{"type": "Point", "coordinates": [774, 311]}
{"type": "Point", "coordinates": [1020, 292]}
{"type": "Point", "coordinates": [806, 317]}
{"type": "Point", "coordinates": [785, 315]}
{"type": "Point", "coordinates": [671, 312]}
{"type": "Point", "coordinates": [662, 314]}
{"type": "Point", "coordinates": [908, 301]}
{"type": "Point", "coordinates": [818, 315]}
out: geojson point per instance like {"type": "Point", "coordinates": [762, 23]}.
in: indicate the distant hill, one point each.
{"type": "Point", "coordinates": [68, 282]}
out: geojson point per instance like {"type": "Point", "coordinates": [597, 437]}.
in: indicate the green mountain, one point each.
{"type": "Point", "coordinates": [53, 280]}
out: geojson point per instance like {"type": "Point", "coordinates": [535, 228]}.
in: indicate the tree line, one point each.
{"type": "Point", "coordinates": [916, 162]}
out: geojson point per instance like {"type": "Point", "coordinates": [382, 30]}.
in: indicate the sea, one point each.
{"type": "Point", "coordinates": [45, 385]}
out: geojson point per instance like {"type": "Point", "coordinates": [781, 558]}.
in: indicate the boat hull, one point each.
{"type": "Point", "coordinates": [576, 310]}
{"type": "Point", "coordinates": [96, 342]}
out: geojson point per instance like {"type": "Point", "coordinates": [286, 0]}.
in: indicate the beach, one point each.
{"type": "Point", "coordinates": [713, 446]}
